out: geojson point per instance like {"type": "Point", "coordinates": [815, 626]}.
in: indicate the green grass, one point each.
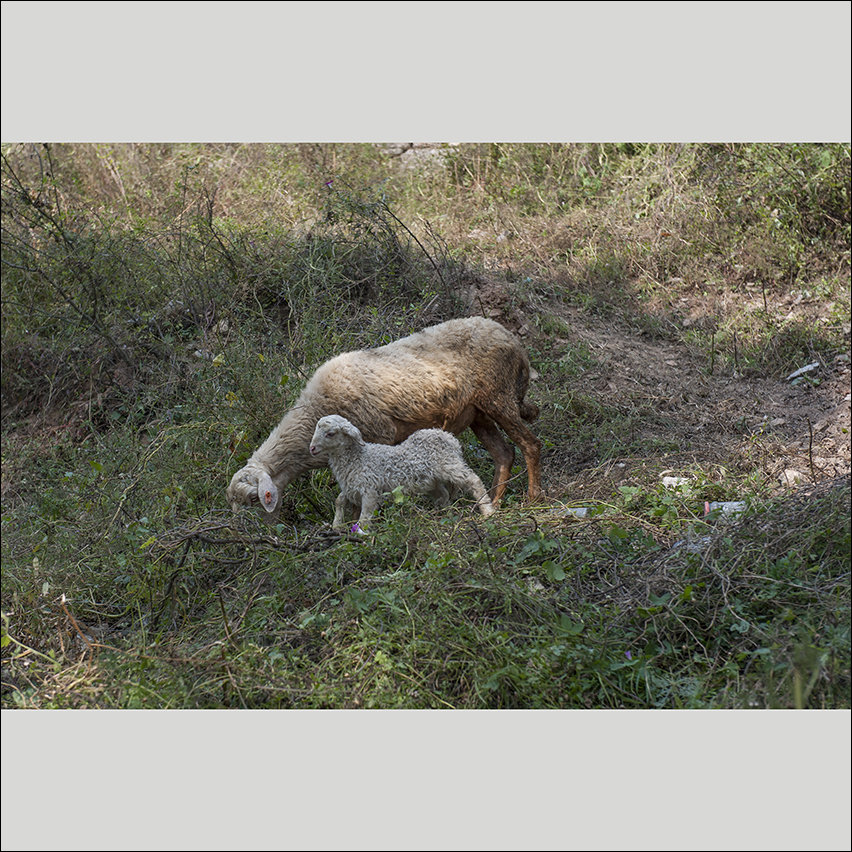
{"type": "Point", "coordinates": [151, 339]}
{"type": "Point", "coordinates": [443, 610]}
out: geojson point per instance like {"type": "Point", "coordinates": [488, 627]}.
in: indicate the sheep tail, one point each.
{"type": "Point", "coordinates": [529, 410]}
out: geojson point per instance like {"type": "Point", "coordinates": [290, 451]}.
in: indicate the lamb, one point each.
{"type": "Point", "coordinates": [427, 462]}
{"type": "Point", "coordinates": [462, 373]}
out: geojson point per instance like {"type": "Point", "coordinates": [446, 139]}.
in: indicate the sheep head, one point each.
{"type": "Point", "coordinates": [334, 431]}
{"type": "Point", "coordinates": [253, 483]}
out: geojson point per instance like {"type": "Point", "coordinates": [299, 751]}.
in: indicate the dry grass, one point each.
{"type": "Point", "coordinates": [664, 293]}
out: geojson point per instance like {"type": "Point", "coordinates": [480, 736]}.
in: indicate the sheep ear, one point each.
{"type": "Point", "coordinates": [267, 492]}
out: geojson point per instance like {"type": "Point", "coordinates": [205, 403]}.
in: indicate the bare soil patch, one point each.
{"type": "Point", "coordinates": [748, 422]}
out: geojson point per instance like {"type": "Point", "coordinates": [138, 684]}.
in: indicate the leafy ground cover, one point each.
{"type": "Point", "coordinates": [163, 304]}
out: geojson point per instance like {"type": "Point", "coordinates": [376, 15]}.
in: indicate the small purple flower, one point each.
{"type": "Point", "coordinates": [628, 655]}
{"type": "Point", "coordinates": [355, 528]}
{"type": "Point", "coordinates": [328, 183]}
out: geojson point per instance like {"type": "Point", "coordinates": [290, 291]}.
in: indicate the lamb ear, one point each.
{"type": "Point", "coordinates": [267, 492]}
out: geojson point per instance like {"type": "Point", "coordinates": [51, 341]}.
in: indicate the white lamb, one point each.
{"type": "Point", "coordinates": [427, 462]}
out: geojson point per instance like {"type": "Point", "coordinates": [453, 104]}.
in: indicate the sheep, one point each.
{"type": "Point", "coordinates": [428, 461]}
{"type": "Point", "coordinates": [462, 373]}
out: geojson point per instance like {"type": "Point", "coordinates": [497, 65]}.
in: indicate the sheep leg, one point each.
{"type": "Point", "coordinates": [439, 494]}
{"type": "Point", "coordinates": [483, 501]}
{"type": "Point", "coordinates": [509, 419]}
{"type": "Point", "coordinates": [469, 481]}
{"type": "Point", "coordinates": [369, 503]}
{"type": "Point", "coordinates": [502, 454]}
{"type": "Point", "coordinates": [343, 507]}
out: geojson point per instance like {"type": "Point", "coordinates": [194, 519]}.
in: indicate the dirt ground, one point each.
{"type": "Point", "coordinates": [795, 433]}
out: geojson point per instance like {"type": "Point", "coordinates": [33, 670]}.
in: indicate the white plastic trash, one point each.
{"type": "Point", "coordinates": [802, 370]}
{"type": "Point", "coordinates": [731, 507]}
{"type": "Point", "coordinates": [573, 511]}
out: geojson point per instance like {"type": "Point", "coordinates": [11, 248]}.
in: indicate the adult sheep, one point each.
{"type": "Point", "coordinates": [462, 373]}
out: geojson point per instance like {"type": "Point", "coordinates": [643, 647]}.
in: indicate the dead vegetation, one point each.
{"type": "Point", "coordinates": [665, 294]}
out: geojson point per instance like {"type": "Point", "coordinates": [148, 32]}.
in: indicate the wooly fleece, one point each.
{"type": "Point", "coordinates": [428, 462]}
{"type": "Point", "coordinates": [463, 373]}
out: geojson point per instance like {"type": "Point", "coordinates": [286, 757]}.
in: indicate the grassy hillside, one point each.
{"type": "Point", "coordinates": [162, 305]}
